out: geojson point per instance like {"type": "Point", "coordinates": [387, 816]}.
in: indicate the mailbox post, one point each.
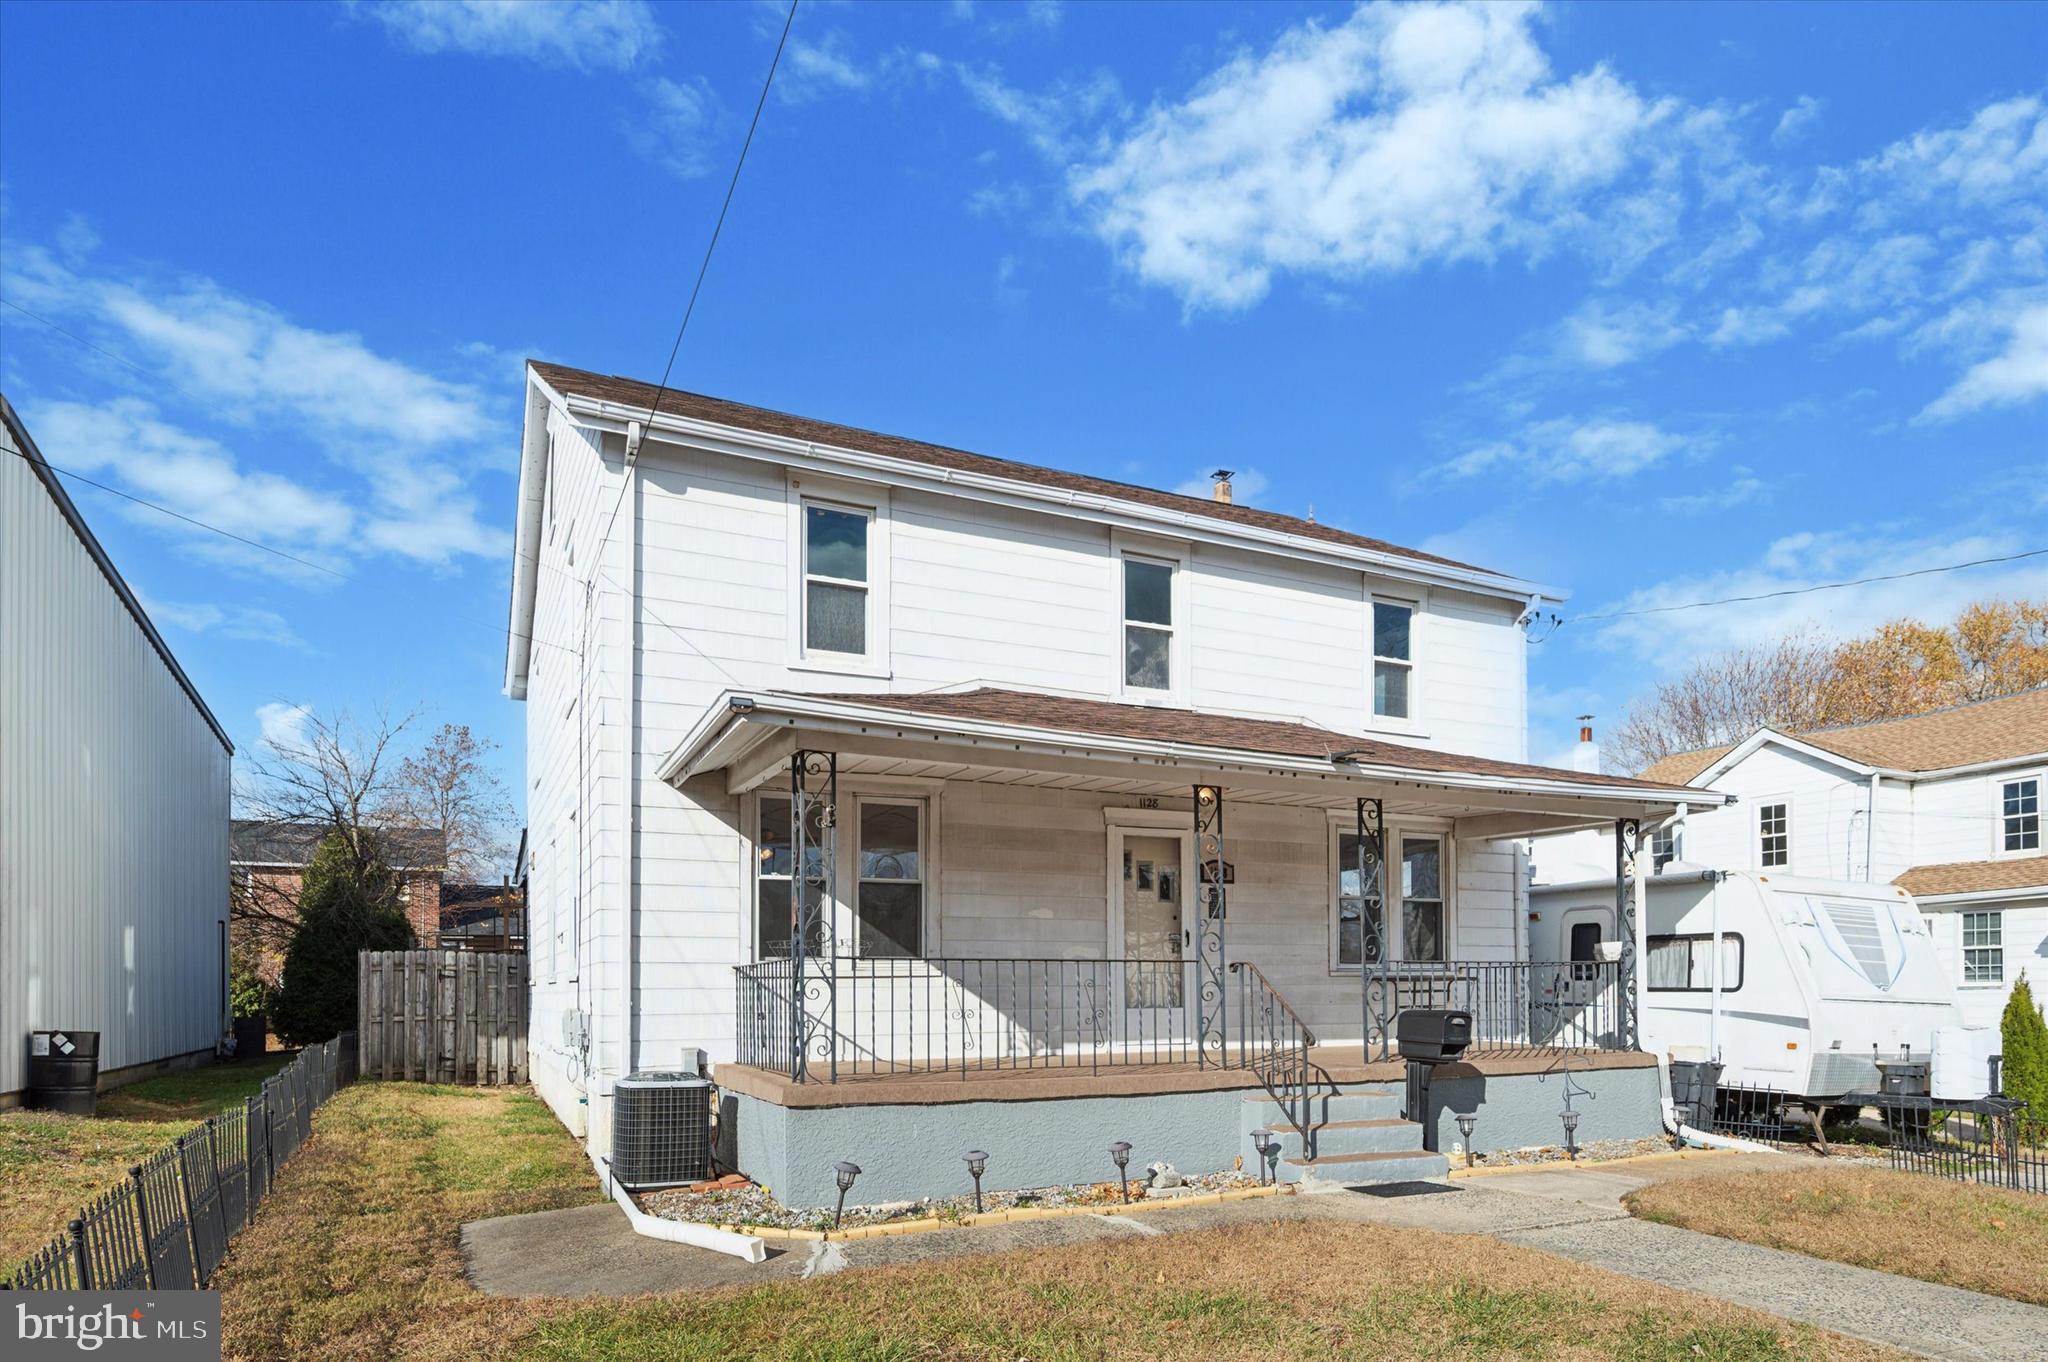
{"type": "Point", "coordinates": [1427, 1037]}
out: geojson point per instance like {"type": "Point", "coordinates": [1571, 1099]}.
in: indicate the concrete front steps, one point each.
{"type": "Point", "coordinates": [1355, 1137]}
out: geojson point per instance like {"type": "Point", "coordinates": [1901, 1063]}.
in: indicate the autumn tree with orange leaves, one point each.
{"type": "Point", "coordinates": [1804, 682]}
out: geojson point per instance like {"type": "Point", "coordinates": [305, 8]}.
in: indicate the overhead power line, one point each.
{"type": "Point", "coordinates": [704, 266]}
{"type": "Point", "coordinates": [1559, 623]}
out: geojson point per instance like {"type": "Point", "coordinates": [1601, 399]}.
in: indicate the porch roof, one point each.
{"type": "Point", "coordinates": [1020, 737]}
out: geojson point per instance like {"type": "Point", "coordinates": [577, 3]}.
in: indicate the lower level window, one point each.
{"type": "Point", "coordinates": [1361, 926]}
{"type": "Point", "coordinates": [1983, 948]}
{"type": "Point", "coordinates": [1422, 898]}
{"type": "Point", "coordinates": [890, 906]}
{"type": "Point", "coordinates": [1685, 964]}
{"type": "Point", "coordinates": [773, 901]}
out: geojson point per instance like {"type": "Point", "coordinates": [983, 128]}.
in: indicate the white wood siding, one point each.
{"type": "Point", "coordinates": [113, 811]}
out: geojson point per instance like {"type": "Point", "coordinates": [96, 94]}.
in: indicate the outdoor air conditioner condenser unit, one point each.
{"type": "Point", "coordinates": [661, 1130]}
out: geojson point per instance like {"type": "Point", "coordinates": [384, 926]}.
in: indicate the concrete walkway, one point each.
{"type": "Point", "coordinates": [1573, 1213]}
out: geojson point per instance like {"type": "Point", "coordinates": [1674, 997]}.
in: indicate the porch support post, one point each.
{"type": "Point", "coordinates": [1212, 1006]}
{"type": "Point", "coordinates": [814, 978]}
{"type": "Point", "coordinates": [1629, 890]}
{"type": "Point", "coordinates": [1375, 986]}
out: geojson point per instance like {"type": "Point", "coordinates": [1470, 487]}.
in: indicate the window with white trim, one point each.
{"type": "Point", "coordinates": [836, 588]}
{"type": "Point", "coordinates": [1663, 848]}
{"type": "Point", "coordinates": [1148, 624]}
{"type": "Point", "coordinates": [1393, 659]}
{"type": "Point", "coordinates": [1358, 904]}
{"type": "Point", "coordinates": [889, 903]}
{"type": "Point", "coordinates": [774, 868]}
{"type": "Point", "coordinates": [1685, 964]}
{"type": "Point", "coordinates": [2019, 815]}
{"type": "Point", "coordinates": [1773, 835]}
{"type": "Point", "coordinates": [1983, 948]}
{"type": "Point", "coordinates": [1422, 898]}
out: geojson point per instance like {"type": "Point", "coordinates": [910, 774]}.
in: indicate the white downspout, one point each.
{"type": "Point", "coordinates": [1714, 1015]}
{"type": "Point", "coordinates": [629, 895]}
{"type": "Point", "coordinates": [1870, 833]}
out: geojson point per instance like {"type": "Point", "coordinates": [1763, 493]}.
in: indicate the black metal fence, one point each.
{"type": "Point", "coordinates": [1515, 1005]}
{"type": "Point", "coordinates": [1984, 1141]}
{"type": "Point", "coordinates": [167, 1227]}
{"type": "Point", "coordinates": [1764, 1114]}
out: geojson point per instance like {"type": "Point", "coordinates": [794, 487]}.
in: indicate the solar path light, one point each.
{"type": "Point", "coordinates": [1121, 1153]}
{"type": "Point", "coordinates": [1466, 1121]}
{"type": "Point", "coordinates": [844, 1173]}
{"type": "Point", "coordinates": [977, 1160]}
{"type": "Point", "coordinates": [1264, 1143]}
{"type": "Point", "coordinates": [1571, 1133]}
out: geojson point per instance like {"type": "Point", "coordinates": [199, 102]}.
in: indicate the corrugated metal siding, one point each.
{"type": "Point", "coordinates": [113, 811]}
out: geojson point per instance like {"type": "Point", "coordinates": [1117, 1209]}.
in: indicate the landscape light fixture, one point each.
{"type": "Point", "coordinates": [845, 1173]}
{"type": "Point", "coordinates": [1264, 1143]}
{"type": "Point", "coordinates": [1466, 1121]}
{"type": "Point", "coordinates": [1571, 1133]}
{"type": "Point", "coordinates": [977, 1159]}
{"type": "Point", "coordinates": [1121, 1153]}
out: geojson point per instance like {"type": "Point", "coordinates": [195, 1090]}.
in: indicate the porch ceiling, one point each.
{"type": "Point", "coordinates": [749, 737]}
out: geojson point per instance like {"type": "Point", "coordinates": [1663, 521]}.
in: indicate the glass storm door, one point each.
{"type": "Point", "coordinates": [1152, 897]}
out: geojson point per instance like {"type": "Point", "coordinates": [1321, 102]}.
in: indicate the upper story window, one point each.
{"type": "Point", "coordinates": [1393, 659]}
{"type": "Point", "coordinates": [836, 580]}
{"type": "Point", "coordinates": [2019, 817]}
{"type": "Point", "coordinates": [1773, 835]}
{"type": "Point", "coordinates": [1663, 848]}
{"type": "Point", "coordinates": [1148, 624]}
{"type": "Point", "coordinates": [1983, 948]}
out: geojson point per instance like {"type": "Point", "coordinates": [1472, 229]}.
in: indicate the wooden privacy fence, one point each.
{"type": "Point", "coordinates": [442, 1016]}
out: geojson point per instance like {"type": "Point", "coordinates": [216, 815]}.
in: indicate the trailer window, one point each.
{"type": "Point", "coordinates": [1685, 964]}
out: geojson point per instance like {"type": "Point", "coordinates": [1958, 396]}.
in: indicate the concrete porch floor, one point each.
{"type": "Point", "coordinates": [1083, 1076]}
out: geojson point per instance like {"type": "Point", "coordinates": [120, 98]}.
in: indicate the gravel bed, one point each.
{"type": "Point", "coordinates": [1593, 1151]}
{"type": "Point", "coordinates": [752, 1205]}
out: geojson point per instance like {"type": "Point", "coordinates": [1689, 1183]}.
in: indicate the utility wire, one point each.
{"type": "Point", "coordinates": [704, 266]}
{"type": "Point", "coordinates": [1559, 623]}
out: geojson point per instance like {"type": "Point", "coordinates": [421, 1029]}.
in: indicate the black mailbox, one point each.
{"type": "Point", "coordinates": [1432, 1035]}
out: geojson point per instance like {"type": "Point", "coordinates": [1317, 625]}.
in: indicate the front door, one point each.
{"type": "Point", "coordinates": [1148, 914]}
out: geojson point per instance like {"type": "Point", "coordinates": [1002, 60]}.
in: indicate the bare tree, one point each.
{"type": "Point", "coordinates": [1725, 698]}
{"type": "Point", "coordinates": [333, 774]}
{"type": "Point", "coordinates": [447, 785]}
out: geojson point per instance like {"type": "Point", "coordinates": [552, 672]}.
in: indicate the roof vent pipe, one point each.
{"type": "Point", "coordinates": [1223, 476]}
{"type": "Point", "coordinates": [1586, 756]}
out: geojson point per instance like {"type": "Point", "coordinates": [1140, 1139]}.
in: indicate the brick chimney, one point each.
{"type": "Point", "coordinates": [1223, 476]}
{"type": "Point", "coordinates": [1586, 756]}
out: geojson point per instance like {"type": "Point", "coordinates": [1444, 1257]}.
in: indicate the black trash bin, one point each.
{"type": "Point", "coordinates": [1693, 1084]}
{"type": "Point", "coordinates": [63, 1071]}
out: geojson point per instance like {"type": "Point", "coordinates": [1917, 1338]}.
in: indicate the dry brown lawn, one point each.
{"type": "Point", "coordinates": [1918, 1226]}
{"type": "Point", "coordinates": [355, 1256]}
{"type": "Point", "coordinates": [51, 1165]}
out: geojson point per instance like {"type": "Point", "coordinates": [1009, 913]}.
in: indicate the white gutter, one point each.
{"type": "Point", "coordinates": [788, 711]}
{"type": "Point", "coordinates": [533, 472]}
{"type": "Point", "coordinates": [742, 1246]}
{"type": "Point", "coordinates": [795, 453]}
{"type": "Point", "coordinates": [2023, 891]}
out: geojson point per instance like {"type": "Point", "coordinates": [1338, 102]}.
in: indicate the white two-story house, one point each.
{"type": "Point", "coordinates": [859, 763]}
{"type": "Point", "coordinates": [1946, 805]}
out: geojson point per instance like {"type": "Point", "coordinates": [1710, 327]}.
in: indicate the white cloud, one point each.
{"type": "Point", "coordinates": [1404, 136]}
{"type": "Point", "coordinates": [189, 474]}
{"type": "Point", "coordinates": [1559, 451]}
{"type": "Point", "coordinates": [244, 623]}
{"type": "Point", "coordinates": [2019, 374]}
{"type": "Point", "coordinates": [282, 725]}
{"type": "Point", "coordinates": [1669, 641]}
{"type": "Point", "coordinates": [393, 425]}
{"type": "Point", "coordinates": [1794, 122]}
{"type": "Point", "coordinates": [675, 130]}
{"type": "Point", "coordinates": [1054, 122]}
{"type": "Point", "coordinates": [2000, 156]}
{"type": "Point", "coordinates": [1744, 488]}
{"type": "Point", "coordinates": [582, 34]}
{"type": "Point", "coordinates": [1601, 335]}
{"type": "Point", "coordinates": [812, 68]}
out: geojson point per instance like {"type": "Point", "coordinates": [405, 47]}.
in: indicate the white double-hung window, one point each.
{"type": "Point", "coordinates": [2019, 815]}
{"type": "Point", "coordinates": [1983, 948]}
{"type": "Point", "coordinates": [837, 607]}
{"type": "Point", "coordinates": [1773, 835]}
{"type": "Point", "coordinates": [1148, 624]}
{"type": "Point", "coordinates": [1393, 659]}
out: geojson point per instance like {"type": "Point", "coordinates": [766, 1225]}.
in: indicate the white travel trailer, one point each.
{"type": "Point", "coordinates": [1818, 979]}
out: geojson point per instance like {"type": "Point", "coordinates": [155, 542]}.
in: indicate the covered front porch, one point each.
{"type": "Point", "coordinates": [991, 886]}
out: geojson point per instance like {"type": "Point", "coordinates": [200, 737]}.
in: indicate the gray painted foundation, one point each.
{"type": "Point", "coordinates": [1517, 1111]}
{"type": "Point", "coordinates": [908, 1152]}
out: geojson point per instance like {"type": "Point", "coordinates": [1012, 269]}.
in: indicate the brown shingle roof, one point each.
{"type": "Point", "coordinates": [1190, 727]}
{"type": "Point", "coordinates": [675, 402]}
{"type": "Point", "coordinates": [2012, 726]}
{"type": "Point", "coordinates": [1972, 877]}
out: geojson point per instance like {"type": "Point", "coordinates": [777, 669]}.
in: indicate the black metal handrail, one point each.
{"type": "Point", "coordinates": [1516, 1005]}
{"type": "Point", "coordinates": [1273, 1042]}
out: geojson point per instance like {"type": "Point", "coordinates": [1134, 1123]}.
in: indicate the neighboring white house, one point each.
{"type": "Point", "coordinates": [1946, 805]}
{"type": "Point", "coordinates": [999, 686]}
{"type": "Point", "coordinates": [114, 782]}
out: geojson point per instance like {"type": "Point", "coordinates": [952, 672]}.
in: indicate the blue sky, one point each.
{"type": "Point", "coordinates": [1650, 303]}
